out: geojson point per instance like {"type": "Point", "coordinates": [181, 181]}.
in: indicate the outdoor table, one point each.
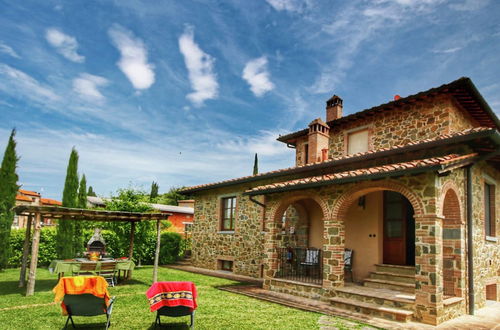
{"type": "Point", "coordinates": [60, 267]}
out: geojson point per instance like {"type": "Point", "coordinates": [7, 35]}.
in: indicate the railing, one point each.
{"type": "Point", "coordinates": [301, 265]}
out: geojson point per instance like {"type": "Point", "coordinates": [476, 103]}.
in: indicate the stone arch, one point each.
{"type": "Point", "coordinates": [345, 200]}
{"type": "Point", "coordinates": [288, 200]}
{"type": "Point", "coordinates": [453, 241]}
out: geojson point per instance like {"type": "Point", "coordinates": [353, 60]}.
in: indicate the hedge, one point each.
{"type": "Point", "coordinates": [172, 246]}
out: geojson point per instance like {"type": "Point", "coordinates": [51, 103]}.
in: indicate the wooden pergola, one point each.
{"type": "Point", "coordinates": [38, 213]}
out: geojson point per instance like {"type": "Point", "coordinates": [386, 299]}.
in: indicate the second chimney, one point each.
{"type": "Point", "coordinates": [333, 108]}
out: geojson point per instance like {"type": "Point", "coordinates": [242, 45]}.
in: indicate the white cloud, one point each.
{"type": "Point", "coordinates": [468, 5]}
{"type": "Point", "coordinates": [257, 76]}
{"type": "Point", "coordinates": [65, 45]}
{"type": "Point", "coordinates": [200, 67]}
{"type": "Point", "coordinates": [447, 50]}
{"type": "Point", "coordinates": [134, 57]}
{"type": "Point", "coordinates": [264, 143]}
{"type": "Point", "coordinates": [6, 49]}
{"type": "Point", "coordinates": [22, 85]}
{"type": "Point", "coordinates": [288, 5]}
{"type": "Point", "coordinates": [87, 86]}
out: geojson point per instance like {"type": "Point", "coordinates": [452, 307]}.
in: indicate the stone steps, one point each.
{"type": "Point", "coordinates": [390, 285]}
{"type": "Point", "coordinates": [395, 269]}
{"type": "Point", "coordinates": [403, 278]}
{"type": "Point", "coordinates": [381, 297]}
{"type": "Point", "coordinates": [391, 313]}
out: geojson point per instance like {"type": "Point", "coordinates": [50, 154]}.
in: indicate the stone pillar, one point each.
{"type": "Point", "coordinates": [429, 269]}
{"type": "Point", "coordinates": [271, 257]}
{"type": "Point", "coordinates": [333, 254]}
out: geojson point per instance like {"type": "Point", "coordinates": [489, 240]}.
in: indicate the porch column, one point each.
{"type": "Point", "coordinates": [270, 259]}
{"type": "Point", "coordinates": [429, 268]}
{"type": "Point", "coordinates": [333, 253]}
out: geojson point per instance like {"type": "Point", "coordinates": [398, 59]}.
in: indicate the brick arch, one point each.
{"type": "Point", "coordinates": [345, 200]}
{"type": "Point", "coordinates": [281, 205]}
{"type": "Point", "coordinates": [450, 205]}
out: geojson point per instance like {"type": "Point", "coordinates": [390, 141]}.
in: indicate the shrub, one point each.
{"type": "Point", "coordinates": [170, 248]}
{"type": "Point", "coordinates": [46, 250]}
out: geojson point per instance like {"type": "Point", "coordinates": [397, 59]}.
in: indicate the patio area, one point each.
{"type": "Point", "coordinates": [217, 309]}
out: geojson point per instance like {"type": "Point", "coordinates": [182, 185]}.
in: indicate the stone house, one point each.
{"type": "Point", "coordinates": [409, 187]}
{"type": "Point", "coordinates": [27, 197]}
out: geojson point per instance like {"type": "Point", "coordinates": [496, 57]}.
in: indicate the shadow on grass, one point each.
{"type": "Point", "coordinates": [12, 287]}
{"type": "Point", "coordinates": [83, 325]}
{"type": "Point", "coordinates": [132, 282]}
{"type": "Point", "coordinates": [168, 325]}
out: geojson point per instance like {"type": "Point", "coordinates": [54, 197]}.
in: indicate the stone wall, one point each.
{"type": "Point", "coordinates": [295, 288]}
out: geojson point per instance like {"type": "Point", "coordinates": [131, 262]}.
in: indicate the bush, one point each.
{"type": "Point", "coordinates": [172, 246]}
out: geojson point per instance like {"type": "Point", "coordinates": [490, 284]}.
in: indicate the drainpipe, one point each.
{"type": "Point", "coordinates": [470, 248]}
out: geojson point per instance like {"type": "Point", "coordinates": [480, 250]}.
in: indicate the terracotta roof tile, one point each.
{"type": "Point", "coordinates": [23, 198]}
{"type": "Point", "coordinates": [335, 159]}
{"type": "Point", "coordinates": [421, 163]}
{"type": "Point", "coordinates": [29, 193]}
{"type": "Point", "coordinates": [48, 201]}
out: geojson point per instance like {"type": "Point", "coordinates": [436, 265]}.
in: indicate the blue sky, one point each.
{"type": "Point", "coordinates": [185, 92]}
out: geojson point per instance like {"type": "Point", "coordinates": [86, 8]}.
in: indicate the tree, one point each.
{"type": "Point", "coordinates": [91, 192]}
{"type": "Point", "coordinates": [154, 191]}
{"type": "Point", "coordinates": [79, 225]}
{"type": "Point", "coordinates": [256, 165]}
{"type": "Point", "coordinates": [8, 191]}
{"type": "Point", "coordinates": [66, 230]}
{"type": "Point", "coordinates": [172, 197]}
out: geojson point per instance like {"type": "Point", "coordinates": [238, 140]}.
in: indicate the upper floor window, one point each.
{"type": "Point", "coordinates": [228, 213]}
{"type": "Point", "coordinates": [306, 153]}
{"type": "Point", "coordinates": [357, 141]}
{"type": "Point", "coordinates": [489, 210]}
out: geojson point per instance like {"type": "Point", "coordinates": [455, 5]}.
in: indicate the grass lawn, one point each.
{"type": "Point", "coordinates": [216, 309]}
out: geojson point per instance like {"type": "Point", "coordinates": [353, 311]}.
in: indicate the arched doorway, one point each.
{"type": "Point", "coordinates": [379, 229]}
{"type": "Point", "coordinates": [300, 241]}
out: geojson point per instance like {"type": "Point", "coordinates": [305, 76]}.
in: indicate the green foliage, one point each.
{"type": "Point", "coordinates": [154, 191]}
{"type": "Point", "coordinates": [129, 200]}
{"type": "Point", "coordinates": [8, 191]}
{"type": "Point", "coordinates": [66, 227]}
{"type": "Point", "coordinates": [172, 197]}
{"type": "Point", "coordinates": [256, 165]}
{"type": "Point", "coordinates": [91, 192]}
{"type": "Point", "coordinates": [47, 247]}
{"type": "Point", "coordinates": [81, 203]}
{"type": "Point", "coordinates": [170, 247]}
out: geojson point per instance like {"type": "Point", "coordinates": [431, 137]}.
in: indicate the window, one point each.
{"type": "Point", "coordinates": [226, 265]}
{"type": "Point", "coordinates": [357, 142]}
{"type": "Point", "coordinates": [489, 210]}
{"type": "Point", "coordinates": [306, 153]}
{"type": "Point", "coordinates": [228, 213]}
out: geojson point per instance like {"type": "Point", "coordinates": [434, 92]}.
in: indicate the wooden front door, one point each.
{"type": "Point", "coordinates": [395, 222]}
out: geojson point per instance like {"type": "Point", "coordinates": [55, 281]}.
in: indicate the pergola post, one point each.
{"type": "Point", "coordinates": [34, 256]}
{"type": "Point", "coordinates": [26, 246]}
{"type": "Point", "coordinates": [131, 246]}
{"type": "Point", "coordinates": [157, 252]}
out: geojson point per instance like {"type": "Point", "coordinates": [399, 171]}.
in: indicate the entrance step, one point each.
{"type": "Point", "coordinates": [390, 285]}
{"type": "Point", "coordinates": [403, 278]}
{"type": "Point", "coordinates": [395, 269]}
{"type": "Point", "coordinates": [381, 297]}
{"type": "Point", "coordinates": [391, 313]}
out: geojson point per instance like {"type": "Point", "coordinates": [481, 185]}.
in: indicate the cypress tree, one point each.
{"type": "Point", "coordinates": [66, 228]}
{"type": "Point", "coordinates": [154, 191]}
{"type": "Point", "coordinates": [256, 165]}
{"type": "Point", "coordinates": [79, 225]}
{"type": "Point", "coordinates": [91, 192]}
{"type": "Point", "coordinates": [8, 191]}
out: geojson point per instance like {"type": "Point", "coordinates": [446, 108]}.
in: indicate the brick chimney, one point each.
{"type": "Point", "coordinates": [318, 141]}
{"type": "Point", "coordinates": [333, 108]}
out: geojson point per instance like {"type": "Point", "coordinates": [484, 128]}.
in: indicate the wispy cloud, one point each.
{"type": "Point", "coordinates": [86, 85]}
{"type": "Point", "coordinates": [134, 57]}
{"type": "Point", "coordinates": [200, 66]}
{"type": "Point", "coordinates": [65, 45]}
{"type": "Point", "coordinates": [447, 50]}
{"type": "Point", "coordinates": [6, 49]}
{"type": "Point", "coordinates": [257, 76]}
{"type": "Point", "coordinates": [288, 5]}
{"type": "Point", "coordinates": [22, 85]}
{"type": "Point", "coordinates": [468, 5]}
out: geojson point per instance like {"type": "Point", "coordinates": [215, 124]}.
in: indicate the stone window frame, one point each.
{"type": "Point", "coordinates": [220, 199]}
{"type": "Point", "coordinates": [368, 128]}
{"type": "Point", "coordinates": [487, 180]}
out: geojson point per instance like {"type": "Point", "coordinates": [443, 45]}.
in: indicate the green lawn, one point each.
{"type": "Point", "coordinates": [216, 309]}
